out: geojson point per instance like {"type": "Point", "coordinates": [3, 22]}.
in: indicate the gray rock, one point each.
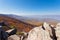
{"type": "Point", "coordinates": [39, 34]}
{"type": "Point", "coordinates": [14, 37]}
{"type": "Point", "coordinates": [58, 31]}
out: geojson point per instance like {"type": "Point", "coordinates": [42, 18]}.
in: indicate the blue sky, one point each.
{"type": "Point", "coordinates": [30, 7]}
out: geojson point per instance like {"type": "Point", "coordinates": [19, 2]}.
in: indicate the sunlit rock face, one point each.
{"type": "Point", "coordinates": [48, 28]}
{"type": "Point", "coordinates": [14, 37]}
{"type": "Point", "coordinates": [58, 31]}
{"type": "Point", "coordinates": [39, 33]}
{"type": "Point", "coordinates": [9, 30]}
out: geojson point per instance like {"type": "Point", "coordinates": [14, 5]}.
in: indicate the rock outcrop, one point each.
{"type": "Point", "coordinates": [14, 37]}
{"type": "Point", "coordinates": [43, 32]}
{"type": "Point", "coordinates": [39, 33]}
{"type": "Point", "coordinates": [58, 31]}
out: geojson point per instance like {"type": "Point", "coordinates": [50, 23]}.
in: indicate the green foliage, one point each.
{"type": "Point", "coordinates": [12, 27]}
{"type": "Point", "coordinates": [20, 33]}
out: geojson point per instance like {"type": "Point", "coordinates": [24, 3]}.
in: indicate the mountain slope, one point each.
{"type": "Point", "coordinates": [37, 20]}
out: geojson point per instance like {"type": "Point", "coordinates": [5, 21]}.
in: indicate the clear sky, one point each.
{"type": "Point", "coordinates": [30, 7]}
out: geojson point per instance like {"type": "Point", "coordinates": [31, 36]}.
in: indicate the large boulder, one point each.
{"type": "Point", "coordinates": [3, 34]}
{"type": "Point", "coordinates": [14, 37]}
{"type": "Point", "coordinates": [48, 28]}
{"type": "Point", "coordinates": [11, 31]}
{"type": "Point", "coordinates": [58, 31]}
{"type": "Point", "coordinates": [39, 33]}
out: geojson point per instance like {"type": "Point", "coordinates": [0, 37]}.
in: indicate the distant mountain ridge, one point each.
{"type": "Point", "coordinates": [36, 19]}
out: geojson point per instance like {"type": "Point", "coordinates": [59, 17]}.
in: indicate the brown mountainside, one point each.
{"type": "Point", "coordinates": [20, 25]}
{"type": "Point", "coordinates": [24, 24]}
